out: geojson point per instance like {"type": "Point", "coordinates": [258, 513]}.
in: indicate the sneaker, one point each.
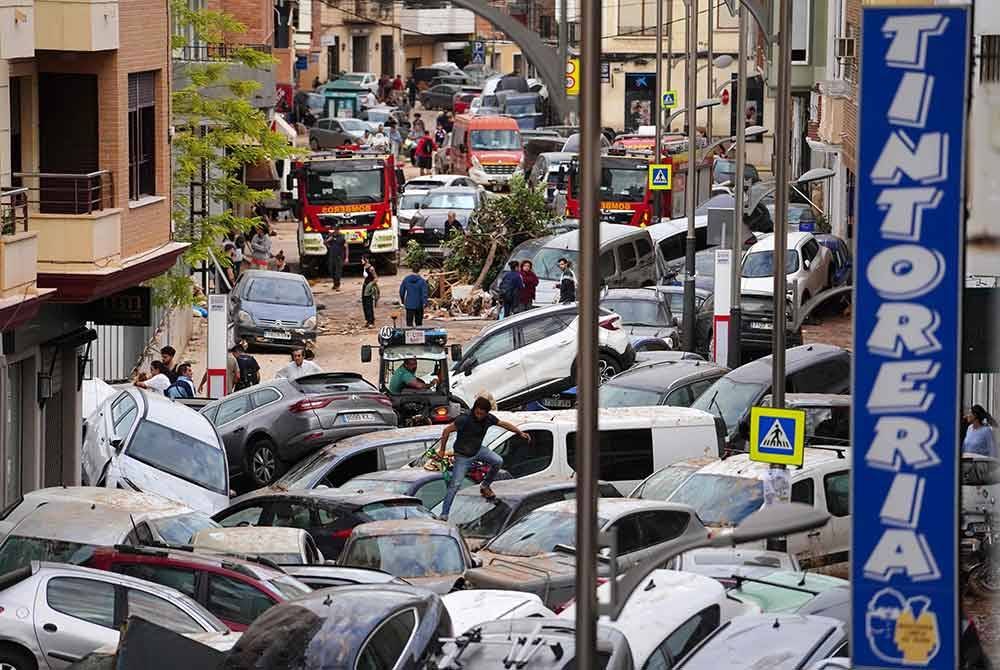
{"type": "Point", "coordinates": [486, 492]}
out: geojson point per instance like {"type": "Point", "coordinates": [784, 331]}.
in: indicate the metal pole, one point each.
{"type": "Point", "coordinates": [564, 38]}
{"type": "Point", "coordinates": [710, 88]}
{"type": "Point", "coordinates": [735, 309]}
{"type": "Point", "coordinates": [658, 105]}
{"type": "Point", "coordinates": [691, 95]}
{"type": "Point", "coordinates": [670, 43]}
{"type": "Point", "coordinates": [587, 377]}
{"type": "Point", "coordinates": [781, 156]}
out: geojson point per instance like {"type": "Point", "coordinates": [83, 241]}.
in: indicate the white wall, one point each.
{"type": "Point", "coordinates": [984, 163]}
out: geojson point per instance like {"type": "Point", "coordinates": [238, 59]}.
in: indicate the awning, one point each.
{"type": "Point", "coordinates": [261, 176]}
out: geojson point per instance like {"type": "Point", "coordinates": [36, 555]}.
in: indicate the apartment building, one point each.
{"type": "Point", "coordinates": [356, 36]}
{"type": "Point", "coordinates": [85, 177]}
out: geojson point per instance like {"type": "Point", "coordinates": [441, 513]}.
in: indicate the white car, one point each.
{"type": "Point", "coordinates": [52, 615]}
{"type": "Point", "coordinates": [284, 546]}
{"type": "Point", "coordinates": [368, 80]}
{"type": "Point", "coordinates": [414, 191]}
{"type": "Point", "coordinates": [469, 608]}
{"type": "Point", "coordinates": [806, 262]}
{"type": "Point", "coordinates": [532, 354]}
{"type": "Point", "coordinates": [141, 441]}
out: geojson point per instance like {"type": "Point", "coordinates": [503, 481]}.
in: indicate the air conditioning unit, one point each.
{"type": "Point", "coordinates": [846, 48]}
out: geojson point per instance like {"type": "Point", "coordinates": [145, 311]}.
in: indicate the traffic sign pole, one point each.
{"type": "Point", "coordinates": [739, 192]}
{"type": "Point", "coordinates": [658, 145]}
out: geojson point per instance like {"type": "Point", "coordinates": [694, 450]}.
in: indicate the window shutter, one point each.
{"type": "Point", "coordinates": [141, 90]}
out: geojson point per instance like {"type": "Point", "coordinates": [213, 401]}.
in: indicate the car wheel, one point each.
{"type": "Point", "coordinates": [607, 367]}
{"type": "Point", "coordinates": [314, 144]}
{"type": "Point", "coordinates": [15, 658]}
{"type": "Point", "coordinates": [263, 465]}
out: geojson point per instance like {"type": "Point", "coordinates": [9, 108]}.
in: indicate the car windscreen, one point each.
{"type": "Point", "coordinates": [362, 485]}
{"type": "Point", "coordinates": [661, 484]}
{"type": "Point", "coordinates": [636, 312]}
{"type": "Point", "coordinates": [729, 399]}
{"type": "Point", "coordinates": [449, 201]}
{"type": "Point", "coordinates": [546, 261]}
{"type": "Point", "coordinates": [475, 516]}
{"type": "Point", "coordinates": [411, 201]}
{"type": "Point", "coordinates": [761, 263]}
{"type": "Point", "coordinates": [180, 529]}
{"type": "Point", "coordinates": [538, 533]}
{"type": "Point", "coordinates": [278, 292]}
{"type": "Point", "coordinates": [623, 184]}
{"type": "Point", "coordinates": [495, 140]}
{"type": "Point", "coordinates": [18, 551]}
{"type": "Point", "coordinates": [720, 500]}
{"type": "Point", "coordinates": [521, 108]}
{"type": "Point", "coordinates": [283, 559]}
{"type": "Point", "coordinates": [406, 555]}
{"type": "Point", "coordinates": [395, 511]}
{"type": "Point", "coordinates": [620, 395]}
{"type": "Point", "coordinates": [344, 187]}
{"type": "Point", "coordinates": [180, 455]}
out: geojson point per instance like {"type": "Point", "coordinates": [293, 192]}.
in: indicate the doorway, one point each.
{"type": "Point", "coordinates": [333, 59]}
{"type": "Point", "coordinates": [69, 148]}
{"type": "Point", "coordinates": [16, 161]}
{"type": "Point", "coordinates": [388, 56]}
{"type": "Point", "coordinates": [359, 53]}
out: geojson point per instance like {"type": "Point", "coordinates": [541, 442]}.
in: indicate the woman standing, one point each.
{"type": "Point", "coordinates": [260, 248]}
{"type": "Point", "coordinates": [979, 438]}
{"type": "Point", "coordinates": [369, 291]}
{"type": "Point", "coordinates": [527, 294]}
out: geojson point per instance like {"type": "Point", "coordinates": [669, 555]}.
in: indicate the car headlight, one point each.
{"type": "Point", "coordinates": [244, 317]}
{"type": "Point", "coordinates": [309, 323]}
{"type": "Point", "coordinates": [476, 164]}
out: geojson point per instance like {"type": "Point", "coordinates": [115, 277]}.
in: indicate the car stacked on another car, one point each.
{"type": "Point", "coordinates": [807, 267]}
{"type": "Point", "coordinates": [271, 426]}
{"type": "Point", "coordinates": [430, 227]}
{"type": "Point", "coordinates": [426, 485]}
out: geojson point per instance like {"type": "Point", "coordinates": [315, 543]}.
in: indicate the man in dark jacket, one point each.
{"type": "Point", "coordinates": [567, 282]}
{"type": "Point", "coordinates": [413, 294]}
{"type": "Point", "coordinates": [511, 284]}
{"type": "Point", "coordinates": [336, 253]}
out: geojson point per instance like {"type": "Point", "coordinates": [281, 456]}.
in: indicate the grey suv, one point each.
{"type": "Point", "coordinates": [268, 427]}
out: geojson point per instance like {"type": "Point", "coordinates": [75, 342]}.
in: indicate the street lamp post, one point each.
{"type": "Point", "coordinates": [701, 104]}
{"type": "Point", "coordinates": [691, 30]}
{"type": "Point", "coordinates": [781, 151]}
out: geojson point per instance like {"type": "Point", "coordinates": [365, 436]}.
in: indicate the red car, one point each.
{"type": "Point", "coordinates": [462, 100]}
{"type": "Point", "coordinates": [234, 590]}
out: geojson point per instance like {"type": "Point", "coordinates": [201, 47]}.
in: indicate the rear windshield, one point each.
{"type": "Point", "coordinates": [318, 384]}
{"type": "Point", "coordinates": [181, 528]}
{"type": "Point", "coordinates": [394, 511]}
{"type": "Point", "coordinates": [538, 533]}
{"type": "Point", "coordinates": [449, 201]}
{"type": "Point", "coordinates": [612, 395]}
{"type": "Point", "coordinates": [308, 471]}
{"type": "Point", "coordinates": [477, 517]}
{"type": "Point", "coordinates": [637, 312]}
{"type": "Point", "coordinates": [279, 292]}
{"type": "Point", "coordinates": [721, 500]}
{"type": "Point", "coordinates": [663, 483]}
{"type": "Point", "coordinates": [18, 551]}
{"type": "Point", "coordinates": [180, 455]}
{"type": "Point", "coordinates": [407, 555]}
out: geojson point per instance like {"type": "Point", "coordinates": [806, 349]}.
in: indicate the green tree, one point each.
{"type": "Point", "coordinates": [499, 225]}
{"type": "Point", "coordinates": [220, 132]}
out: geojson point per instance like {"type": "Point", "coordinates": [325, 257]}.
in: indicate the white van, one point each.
{"type": "Point", "coordinates": [634, 442]}
{"type": "Point", "coordinates": [141, 441]}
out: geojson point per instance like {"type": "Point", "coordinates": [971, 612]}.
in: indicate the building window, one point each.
{"type": "Point", "coordinates": [141, 135]}
{"type": "Point", "coordinates": [636, 18]}
{"type": "Point", "coordinates": [989, 58]}
{"type": "Point", "coordinates": [545, 26]}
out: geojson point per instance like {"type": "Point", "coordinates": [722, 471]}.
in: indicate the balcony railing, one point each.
{"type": "Point", "coordinates": [14, 210]}
{"type": "Point", "coordinates": [65, 193]}
{"type": "Point", "coordinates": [216, 52]}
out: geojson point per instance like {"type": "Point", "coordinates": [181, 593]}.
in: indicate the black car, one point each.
{"type": "Point", "coordinates": [362, 627]}
{"type": "Point", "coordinates": [268, 427]}
{"type": "Point", "coordinates": [430, 227]}
{"type": "Point", "coordinates": [674, 383]}
{"type": "Point", "coordinates": [480, 519]}
{"type": "Point", "coordinates": [427, 485]}
{"type": "Point", "coordinates": [757, 325]}
{"type": "Point", "coordinates": [811, 368]}
{"type": "Point", "coordinates": [329, 515]}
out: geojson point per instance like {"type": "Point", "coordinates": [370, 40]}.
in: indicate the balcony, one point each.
{"type": "Point", "coordinates": [17, 29]}
{"type": "Point", "coordinates": [18, 246]}
{"type": "Point", "coordinates": [213, 53]}
{"type": "Point", "coordinates": [78, 227]}
{"type": "Point", "coordinates": [76, 25]}
{"type": "Point", "coordinates": [195, 55]}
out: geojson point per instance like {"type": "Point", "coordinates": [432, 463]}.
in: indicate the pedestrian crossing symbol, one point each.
{"type": "Point", "coordinates": [660, 177]}
{"type": "Point", "coordinates": [777, 435]}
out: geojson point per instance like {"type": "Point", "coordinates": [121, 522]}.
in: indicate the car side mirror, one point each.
{"type": "Point", "coordinates": [117, 444]}
{"type": "Point", "coordinates": [456, 352]}
{"type": "Point", "coordinates": [366, 353]}
{"type": "Point", "coordinates": [468, 365]}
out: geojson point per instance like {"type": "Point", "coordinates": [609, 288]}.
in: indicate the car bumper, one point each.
{"type": "Point", "coordinates": [292, 338]}
{"type": "Point", "coordinates": [487, 180]}
{"type": "Point", "coordinates": [301, 445]}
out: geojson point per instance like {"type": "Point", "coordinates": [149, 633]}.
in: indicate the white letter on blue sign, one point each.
{"type": "Point", "coordinates": [897, 387]}
{"type": "Point", "coordinates": [902, 504]}
{"type": "Point", "coordinates": [913, 98]}
{"type": "Point", "coordinates": [904, 325]}
{"type": "Point", "coordinates": [904, 209]}
{"type": "Point", "coordinates": [902, 440]}
{"type": "Point", "coordinates": [925, 162]}
{"type": "Point", "coordinates": [901, 551]}
{"type": "Point", "coordinates": [905, 271]}
{"type": "Point", "coordinates": [909, 38]}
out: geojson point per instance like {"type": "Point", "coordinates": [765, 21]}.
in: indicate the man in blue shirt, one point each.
{"type": "Point", "coordinates": [413, 294]}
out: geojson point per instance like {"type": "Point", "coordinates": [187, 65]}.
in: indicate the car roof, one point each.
{"type": "Point", "coordinates": [516, 489]}
{"type": "Point", "coordinates": [78, 522]}
{"type": "Point", "coordinates": [611, 508]}
{"type": "Point", "coordinates": [378, 438]}
{"type": "Point", "coordinates": [658, 416]}
{"type": "Point", "coordinates": [529, 315]}
{"type": "Point", "coordinates": [795, 239]}
{"type": "Point", "coordinates": [163, 411]}
{"type": "Point", "coordinates": [247, 568]}
{"type": "Point", "coordinates": [740, 465]}
{"type": "Point", "coordinates": [341, 496]}
{"type": "Point", "coordinates": [661, 375]}
{"type": "Point", "coordinates": [274, 274]}
{"type": "Point", "coordinates": [404, 527]}
{"type": "Point", "coordinates": [249, 540]}
{"type": "Point", "coordinates": [796, 358]}
{"type": "Point", "coordinates": [609, 233]}
{"type": "Point", "coordinates": [148, 505]}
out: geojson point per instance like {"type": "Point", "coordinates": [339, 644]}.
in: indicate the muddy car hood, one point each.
{"type": "Point", "coordinates": [546, 575]}
{"type": "Point", "coordinates": [440, 585]}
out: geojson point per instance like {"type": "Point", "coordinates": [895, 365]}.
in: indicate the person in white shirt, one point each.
{"type": "Point", "coordinates": [159, 382]}
{"type": "Point", "coordinates": [299, 367]}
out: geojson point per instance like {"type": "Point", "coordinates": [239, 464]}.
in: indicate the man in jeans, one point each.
{"type": "Point", "coordinates": [469, 449]}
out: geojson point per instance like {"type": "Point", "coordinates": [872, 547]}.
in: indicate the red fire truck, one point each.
{"type": "Point", "coordinates": [355, 190]}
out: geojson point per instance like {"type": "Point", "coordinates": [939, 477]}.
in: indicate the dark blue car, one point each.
{"type": "Point", "coordinates": [843, 264]}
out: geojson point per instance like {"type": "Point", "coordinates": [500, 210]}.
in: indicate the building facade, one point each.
{"type": "Point", "coordinates": [85, 177]}
{"type": "Point", "coordinates": [355, 36]}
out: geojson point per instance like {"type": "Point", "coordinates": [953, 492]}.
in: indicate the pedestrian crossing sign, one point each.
{"type": "Point", "coordinates": [777, 435]}
{"type": "Point", "coordinates": [660, 177]}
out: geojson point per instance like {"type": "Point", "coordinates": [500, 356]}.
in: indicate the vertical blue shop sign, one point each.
{"type": "Point", "coordinates": [907, 331]}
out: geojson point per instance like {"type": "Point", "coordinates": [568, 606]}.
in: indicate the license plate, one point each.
{"type": "Point", "coordinates": [354, 236]}
{"type": "Point", "coordinates": [361, 417]}
{"type": "Point", "coordinates": [276, 335]}
{"type": "Point", "coordinates": [762, 325]}
{"type": "Point", "coordinates": [413, 337]}
{"type": "Point", "coordinates": [561, 403]}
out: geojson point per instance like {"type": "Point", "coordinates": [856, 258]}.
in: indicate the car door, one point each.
{"type": "Point", "coordinates": [647, 270]}
{"type": "Point", "coordinates": [73, 617]}
{"type": "Point", "coordinates": [236, 603]}
{"type": "Point", "coordinates": [116, 423]}
{"type": "Point", "coordinates": [547, 349]}
{"type": "Point", "coordinates": [321, 131]}
{"type": "Point", "coordinates": [233, 431]}
{"type": "Point", "coordinates": [816, 273]}
{"type": "Point", "coordinates": [494, 365]}
{"type": "Point", "coordinates": [683, 639]}
{"type": "Point", "coordinates": [806, 547]}
{"type": "Point", "coordinates": [837, 532]}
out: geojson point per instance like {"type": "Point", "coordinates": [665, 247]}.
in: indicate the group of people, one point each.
{"type": "Point", "coordinates": [176, 380]}
{"type": "Point", "coordinates": [519, 282]}
{"type": "Point", "coordinates": [254, 254]}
